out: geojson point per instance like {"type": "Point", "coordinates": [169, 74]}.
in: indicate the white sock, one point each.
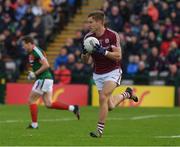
{"type": "Point", "coordinates": [34, 124]}
{"type": "Point", "coordinates": [71, 107]}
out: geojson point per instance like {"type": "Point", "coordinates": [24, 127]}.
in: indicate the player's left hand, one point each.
{"type": "Point", "coordinates": [31, 75]}
{"type": "Point", "coordinates": [100, 49]}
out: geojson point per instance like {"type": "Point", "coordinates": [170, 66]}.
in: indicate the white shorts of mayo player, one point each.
{"type": "Point", "coordinates": [43, 85]}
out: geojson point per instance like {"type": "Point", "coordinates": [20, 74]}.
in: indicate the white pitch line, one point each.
{"type": "Point", "coordinates": [154, 116]}
{"type": "Point", "coordinates": [173, 136]}
{"type": "Point", "coordinates": [41, 120]}
{"type": "Point", "coordinates": [142, 117]}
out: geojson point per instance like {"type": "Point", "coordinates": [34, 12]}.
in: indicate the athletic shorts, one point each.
{"type": "Point", "coordinates": [114, 76]}
{"type": "Point", "coordinates": [43, 85]}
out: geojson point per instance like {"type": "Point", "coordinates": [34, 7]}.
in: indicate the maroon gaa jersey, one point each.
{"type": "Point", "coordinates": [103, 64]}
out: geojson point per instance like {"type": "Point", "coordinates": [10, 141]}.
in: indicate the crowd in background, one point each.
{"type": "Point", "coordinates": [41, 19]}
{"type": "Point", "coordinates": [149, 31]}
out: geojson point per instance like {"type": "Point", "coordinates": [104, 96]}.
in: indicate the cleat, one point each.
{"type": "Point", "coordinates": [95, 134]}
{"type": "Point", "coordinates": [31, 127]}
{"type": "Point", "coordinates": [132, 95]}
{"type": "Point", "coordinates": [77, 111]}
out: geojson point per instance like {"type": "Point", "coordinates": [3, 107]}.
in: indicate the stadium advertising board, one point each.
{"type": "Point", "coordinates": [149, 96]}
{"type": "Point", "coordinates": [70, 94]}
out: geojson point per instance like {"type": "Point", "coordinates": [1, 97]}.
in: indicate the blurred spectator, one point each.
{"type": "Point", "coordinates": [152, 40]}
{"type": "Point", "coordinates": [133, 45]}
{"type": "Point", "coordinates": [115, 19]}
{"type": "Point", "coordinates": [145, 49]}
{"type": "Point", "coordinates": [80, 73]}
{"type": "Point", "coordinates": [132, 67]}
{"type": "Point", "coordinates": [142, 71]}
{"type": "Point", "coordinates": [62, 74]}
{"type": "Point", "coordinates": [152, 11]}
{"type": "Point", "coordinates": [155, 62]}
{"type": "Point", "coordinates": [78, 39]}
{"type": "Point", "coordinates": [163, 10]}
{"type": "Point", "coordinates": [166, 44]}
{"type": "Point", "coordinates": [21, 9]}
{"type": "Point", "coordinates": [124, 10]}
{"type": "Point", "coordinates": [71, 62]}
{"type": "Point", "coordinates": [70, 45]}
{"type": "Point", "coordinates": [136, 25]}
{"type": "Point", "coordinates": [23, 28]}
{"type": "Point", "coordinates": [37, 9]}
{"type": "Point", "coordinates": [8, 9]}
{"type": "Point", "coordinates": [47, 5]}
{"type": "Point", "coordinates": [48, 24]}
{"type": "Point", "coordinates": [106, 8]}
{"type": "Point", "coordinates": [137, 6]}
{"type": "Point", "coordinates": [174, 73]}
{"type": "Point", "coordinates": [61, 59]}
{"type": "Point", "coordinates": [144, 32]}
{"type": "Point", "coordinates": [174, 54]}
{"type": "Point", "coordinates": [145, 18]}
{"type": "Point", "coordinates": [37, 31]}
{"type": "Point", "coordinates": [142, 74]}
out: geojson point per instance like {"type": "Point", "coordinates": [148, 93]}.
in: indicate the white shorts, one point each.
{"type": "Point", "coordinates": [43, 85]}
{"type": "Point", "coordinates": [114, 76]}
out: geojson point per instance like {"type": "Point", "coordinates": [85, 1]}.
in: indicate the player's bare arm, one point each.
{"type": "Point", "coordinates": [45, 66]}
{"type": "Point", "coordinates": [115, 55]}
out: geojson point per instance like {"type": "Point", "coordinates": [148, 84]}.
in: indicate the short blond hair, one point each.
{"type": "Point", "coordinates": [97, 15]}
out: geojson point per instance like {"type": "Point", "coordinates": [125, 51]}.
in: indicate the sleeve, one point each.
{"type": "Point", "coordinates": [87, 35]}
{"type": "Point", "coordinates": [115, 40]}
{"type": "Point", "coordinates": [39, 54]}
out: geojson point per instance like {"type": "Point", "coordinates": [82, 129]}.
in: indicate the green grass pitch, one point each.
{"type": "Point", "coordinates": [124, 127]}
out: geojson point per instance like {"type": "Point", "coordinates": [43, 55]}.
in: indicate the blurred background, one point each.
{"type": "Point", "coordinates": [149, 31]}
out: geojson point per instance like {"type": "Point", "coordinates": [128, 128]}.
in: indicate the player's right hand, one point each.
{"type": "Point", "coordinates": [84, 51]}
{"type": "Point", "coordinates": [31, 75]}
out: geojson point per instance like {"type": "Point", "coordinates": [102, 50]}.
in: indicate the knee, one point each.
{"type": "Point", "coordinates": [48, 105]}
{"type": "Point", "coordinates": [31, 101]}
{"type": "Point", "coordinates": [103, 98]}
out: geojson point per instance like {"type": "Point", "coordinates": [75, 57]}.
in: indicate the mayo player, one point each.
{"type": "Point", "coordinates": [43, 85]}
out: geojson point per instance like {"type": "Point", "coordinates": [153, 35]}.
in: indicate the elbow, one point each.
{"type": "Point", "coordinates": [47, 66]}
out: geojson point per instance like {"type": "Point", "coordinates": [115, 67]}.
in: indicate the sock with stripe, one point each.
{"type": "Point", "coordinates": [100, 127]}
{"type": "Point", "coordinates": [125, 95]}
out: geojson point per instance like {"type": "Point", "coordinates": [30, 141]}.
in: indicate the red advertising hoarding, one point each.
{"type": "Point", "coordinates": [70, 94]}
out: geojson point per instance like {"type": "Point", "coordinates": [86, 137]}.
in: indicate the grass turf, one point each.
{"type": "Point", "coordinates": [124, 127]}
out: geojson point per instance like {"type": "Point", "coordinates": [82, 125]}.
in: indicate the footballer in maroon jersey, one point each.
{"type": "Point", "coordinates": [107, 71]}
{"type": "Point", "coordinates": [102, 64]}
